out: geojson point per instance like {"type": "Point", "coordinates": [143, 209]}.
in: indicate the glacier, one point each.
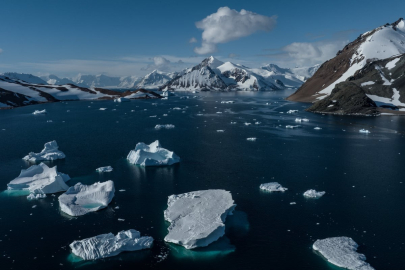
{"type": "Point", "coordinates": [108, 245]}
{"type": "Point", "coordinates": [50, 152]}
{"type": "Point", "coordinates": [40, 180]}
{"type": "Point", "coordinates": [197, 218]}
{"type": "Point", "coordinates": [152, 155]}
{"type": "Point", "coordinates": [82, 199]}
{"type": "Point", "coordinates": [341, 251]}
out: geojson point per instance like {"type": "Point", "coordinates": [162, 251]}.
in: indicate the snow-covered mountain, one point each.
{"type": "Point", "coordinates": [29, 78]}
{"type": "Point", "coordinates": [55, 80]}
{"type": "Point", "coordinates": [154, 80]}
{"type": "Point", "coordinates": [381, 43]}
{"type": "Point", "coordinates": [212, 74]}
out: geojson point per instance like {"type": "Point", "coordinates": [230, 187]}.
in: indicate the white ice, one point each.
{"type": "Point", "coordinates": [272, 186]}
{"type": "Point", "coordinates": [197, 218]}
{"type": "Point", "coordinates": [341, 251]}
{"type": "Point", "coordinates": [168, 126]}
{"type": "Point", "coordinates": [104, 169]}
{"type": "Point", "coordinates": [39, 112]}
{"type": "Point", "coordinates": [253, 139]}
{"type": "Point", "coordinates": [152, 155]}
{"type": "Point", "coordinates": [82, 199]}
{"type": "Point", "coordinates": [122, 99]}
{"type": "Point", "coordinates": [364, 131]}
{"type": "Point", "coordinates": [50, 152]}
{"type": "Point", "coordinates": [108, 245]}
{"type": "Point", "coordinates": [313, 194]}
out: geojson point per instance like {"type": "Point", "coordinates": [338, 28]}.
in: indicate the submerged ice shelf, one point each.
{"type": "Point", "coordinates": [82, 199]}
{"type": "Point", "coordinates": [152, 155]}
{"type": "Point", "coordinates": [342, 251]}
{"type": "Point", "coordinates": [108, 245]}
{"type": "Point", "coordinates": [197, 218]}
{"type": "Point", "coordinates": [40, 180]}
{"type": "Point", "coordinates": [50, 152]}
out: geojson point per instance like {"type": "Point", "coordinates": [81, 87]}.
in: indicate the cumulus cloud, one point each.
{"type": "Point", "coordinates": [193, 40]}
{"type": "Point", "coordinates": [228, 24]}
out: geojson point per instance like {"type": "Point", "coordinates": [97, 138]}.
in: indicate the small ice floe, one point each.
{"type": "Point", "coordinates": [258, 123]}
{"type": "Point", "coordinates": [167, 126]}
{"type": "Point", "coordinates": [248, 124]}
{"type": "Point", "coordinates": [290, 126]}
{"type": "Point", "coordinates": [292, 111]}
{"type": "Point", "coordinates": [342, 252]}
{"type": "Point", "coordinates": [164, 98]}
{"type": "Point", "coordinates": [152, 155]}
{"type": "Point", "coordinates": [117, 207]}
{"type": "Point", "coordinates": [121, 190]}
{"type": "Point", "coordinates": [165, 114]}
{"type": "Point", "coordinates": [103, 109]}
{"type": "Point", "coordinates": [305, 120]}
{"type": "Point", "coordinates": [153, 116]}
{"type": "Point", "coordinates": [49, 121]}
{"type": "Point", "coordinates": [227, 102]}
{"type": "Point", "coordinates": [298, 120]}
{"type": "Point", "coordinates": [272, 186]}
{"type": "Point", "coordinates": [220, 130]}
{"type": "Point", "coordinates": [197, 218]}
{"type": "Point", "coordinates": [167, 93]}
{"type": "Point", "coordinates": [121, 219]}
{"type": "Point", "coordinates": [104, 169]}
{"type": "Point", "coordinates": [82, 199]}
{"type": "Point", "coordinates": [39, 112]}
{"type": "Point", "coordinates": [233, 123]}
{"type": "Point", "coordinates": [365, 131]}
{"type": "Point", "coordinates": [108, 245]}
{"type": "Point", "coordinates": [292, 203]}
{"type": "Point", "coordinates": [40, 180]}
{"type": "Point", "coordinates": [176, 108]}
{"type": "Point", "coordinates": [317, 128]}
{"type": "Point", "coordinates": [50, 152]}
{"type": "Point", "coordinates": [253, 139]}
{"type": "Point", "coordinates": [313, 194]}
{"type": "Point", "coordinates": [219, 112]}
{"type": "Point", "coordinates": [122, 99]}
{"type": "Point", "coordinates": [199, 114]}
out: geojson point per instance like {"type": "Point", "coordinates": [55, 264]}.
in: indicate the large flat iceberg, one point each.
{"type": "Point", "coordinates": [81, 199]}
{"type": "Point", "coordinates": [108, 245]}
{"type": "Point", "coordinates": [197, 218]}
{"type": "Point", "coordinates": [50, 152]}
{"type": "Point", "coordinates": [40, 180]}
{"type": "Point", "coordinates": [341, 251]}
{"type": "Point", "coordinates": [152, 155]}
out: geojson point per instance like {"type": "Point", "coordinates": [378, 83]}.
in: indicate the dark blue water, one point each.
{"type": "Point", "coordinates": [362, 175]}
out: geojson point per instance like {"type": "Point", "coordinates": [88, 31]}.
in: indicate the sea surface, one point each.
{"type": "Point", "coordinates": [362, 174]}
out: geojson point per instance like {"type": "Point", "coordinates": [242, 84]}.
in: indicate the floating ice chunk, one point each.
{"type": "Point", "coordinates": [153, 116]}
{"type": "Point", "coordinates": [165, 114]}
{"type": "Point", "coordinates": [108, 245]}
{"type": "Point", "coordinates": [253, 139]}
{"type": "Point", "coordinates": [82, 199]}
{"type": "Point", "coordinates": [292, 111]}
{"type": "Point", "coordinates": [122, 99]}
{"type": "Point", "coordinates": [167, 94]}
{"type": "Point", "coordinates": [220, 130]}
{"type": "Point", "coordinates": [219, 112]}
{"type": "Point", "coordinates": [152, 155]}
{"type": "Point", "coordinates": [290, 126]}
{"type": "Point", "coordinates": [258, 123]}
{"type": "Point", "coordinates": [364, 131]}
{"type": "Point", "coordinates": [102, 109]}
{"type": "Point", "coordinates": [305, 120]}
{"type": "Point", "coordinates": [292, 203]}
{"type": "Point", "coordinates": [164, 98]}
{"type": "Point", "coordinates": [233, 123]}
{"type": "Point", "coordinates": [39, 112]}
{"type": "Point", "coordinates": [40, 180]}
{"type": "Point", "coordinates": [177, 108]}
{"type": "Point", "coordinates": [248, 124]}
{"type": "Point", "coordinates": [272, 186]}
{"type": "Point", "coordinates": [227, 102]}
{"type": "Point", "coordinates": [168, 126]}
{"type": "Point", "coordinates": [197, 218]}
{"type": "Point", "coordinates": [341, 251]}
{"type": "Point", "coordinates": [298, 119]}
{"type": "Point", "coordinates": [312, 193]}
{"type": "Point", "coordinates": [317, 128]}
{"type": "Point", "coordinates": [104, 169]}
{"type": "Point", "coordinates": [50, 152]}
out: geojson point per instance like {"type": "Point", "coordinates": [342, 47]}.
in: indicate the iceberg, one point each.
{"type": "Point", "coordinates": [272, 186]}
{"type": "Point", "coordinates": [152, 155]}
{"type": "Point", "coordinates": [251, 139]}
{"type": "Point", "coordinates": [292, 111]}
{"type": "Point", "coordinates": [228, 102]}
{"type": "Point", "coordinates": [122, 99]}
{"type": "Point", "coordinates": [341, 251]}
{"type": "Point", "coordinates": [290, 126]}
{"type": "Point", "coordinates": [50, 152]}
{"type": "Point", "coordinates": [40, 180]}
{"type": "Point", "coordinates": [197, 218]}
{"type": "Point", "coordinates": [39, 112]}
{"type": "Point", "coordinates": [313, 194]}
{"type": "Point", "coordinates": [108, 245]}
{"type": "Point", "coordinates": [168, 126]}
{"type": "Point", "coordinates": [81, 199]}
{"type": "Point", "coordinates": [167, 93]}
{"type": "Point", "coordinates": [317, 128]}
{"type": "Point", "coordinates": [104, 169]}
{"type": "Point", "coordinates": [364, 131]}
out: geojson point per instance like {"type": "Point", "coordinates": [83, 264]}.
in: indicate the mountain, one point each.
{"type": "Point", "coordinates": [16, 93]}
{"type": "Point", "coordinates": [29, 78]}
{"type": "Point", "coordinates": [55, 80]}
{"type": "Point", "coordinates": [358, 57]}
{"type": "Point", "coordinates": [154, 80]}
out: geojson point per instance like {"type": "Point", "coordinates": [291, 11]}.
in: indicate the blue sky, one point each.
{"type": "Point", "coordinates": [133, 37]}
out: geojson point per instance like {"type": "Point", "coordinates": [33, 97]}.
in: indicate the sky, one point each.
{"type": "Point", "coordinates": [132, 38]}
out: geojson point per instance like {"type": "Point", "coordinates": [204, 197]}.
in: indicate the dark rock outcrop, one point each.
{"type": "Point", "coordinates": [347, 98]}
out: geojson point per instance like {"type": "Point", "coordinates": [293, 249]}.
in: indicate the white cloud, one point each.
{"type": "Point", "coordinates": [193, 40]}
{"type": "Point", "coordinates": [228, 24]}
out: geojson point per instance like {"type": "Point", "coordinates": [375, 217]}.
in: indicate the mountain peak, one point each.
{"type": "Point", "coordinates": [212, 62]}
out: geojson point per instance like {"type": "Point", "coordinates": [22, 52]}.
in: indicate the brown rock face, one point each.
{"type": "Point", "coordinates": [347, 98]}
